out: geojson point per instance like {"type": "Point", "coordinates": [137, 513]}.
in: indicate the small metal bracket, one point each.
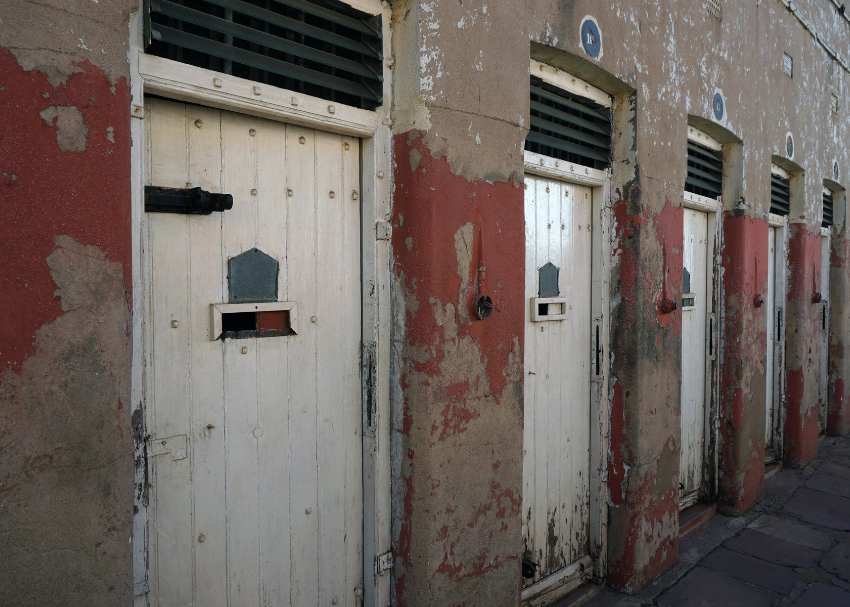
{"type": "Point", "coordinates": [141, 588]}
{"type": "Point", "coordinates": [383, 230]}
{"type": "Point", "coordinates": [137, 111]}
{"type": "Point", "coordinates": [176, 446]}
{"type": "Point", "coordinates": [383, 562]}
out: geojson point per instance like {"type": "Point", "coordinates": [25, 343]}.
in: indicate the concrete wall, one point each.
{"type": "Point", "coordinates": [460, 119]}
{"type": "Point", "coordinates": [66, 466]}
{"type": "Point", "coordinates": [461, 111]}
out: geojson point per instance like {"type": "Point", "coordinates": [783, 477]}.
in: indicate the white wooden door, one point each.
{"type": "Point", "coordinates": [255, 449]}
{"type": "Point", "coordinates": [770, 356]}
{"type": "Point", "coordinates": [556, 463]}
{"type": "Point", "coordinates": [824, 333]}
{"type": "Point", "coordinates": [694, 315]}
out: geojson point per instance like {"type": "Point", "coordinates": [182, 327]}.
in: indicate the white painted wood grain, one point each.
{"type": "Point", "coordinates": [273, 424]}
{"type": "Point", "coordinates": [556, 462]}
{"type": "Point", "coordinates": [693, 392]}
{"type": "Point", "coordinates": [171, 519]}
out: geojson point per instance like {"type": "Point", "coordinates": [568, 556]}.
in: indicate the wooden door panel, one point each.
{"type": "Point", "coordinates": [267, 506]}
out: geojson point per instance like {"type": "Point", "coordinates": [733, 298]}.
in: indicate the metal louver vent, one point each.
{"type": "Point", "coordinates": [827, 209]}
{"type": "Point", "coordinates": [568, 127]}
{"type": "Point", "coordinates": [780, 195]}
{"type": "Point", "coordinates": [705, 171]}
{"type": "Point", "coordinates": [715, 8]}
{"type": "Point", "coordinates": [322, 48]}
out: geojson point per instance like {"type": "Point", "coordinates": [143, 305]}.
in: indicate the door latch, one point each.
{"type": "Point", "coordinates": [384, 562]}
{"type": "Point", "coordinates": [187, 201]}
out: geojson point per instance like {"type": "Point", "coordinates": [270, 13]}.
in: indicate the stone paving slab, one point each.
{"type": "Point", "coordinates": [772, 549]}
{"type": "Point", "coordinates": [751, 570]}
{"type": "Point", "coordinates": [783, 483]}
{"type": "Point", "coordinates": [829, 484]}
{"type": "Point", "coordinates": [830, 468]}
{"type": "Point", "coordinates": [820, 508]}
{"type": "Point", "coordinates": [837, 561]}
{"type": "Point", "coordinates": [821, 595]}
{"type": "Point", "coordinates": [705, 588]}
{"type": "Point", "coordinates": [792, 531]}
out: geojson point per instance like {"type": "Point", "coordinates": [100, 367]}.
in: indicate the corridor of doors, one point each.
{"type": "Point", "coordinates": [701, 235]}
{"type": "Point", "coordinates": [566, 293]}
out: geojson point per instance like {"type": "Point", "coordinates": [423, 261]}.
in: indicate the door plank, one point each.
{"type": "Point", "coordinates": [170, 523]}
{"type": "Point", "coordinates": [206, 286]}
{"type": "Point", "coordinates": [770, 319]}
{"type": "Point", "coordinates": [302, 285]}
{"type": "Point", "coordinates": [274, 371]}
{"type": "Point", "coordinates": [239, 164]}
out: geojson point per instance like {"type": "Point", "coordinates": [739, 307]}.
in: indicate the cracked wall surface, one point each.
{"type": "Point", "coordinates": [66, 471]}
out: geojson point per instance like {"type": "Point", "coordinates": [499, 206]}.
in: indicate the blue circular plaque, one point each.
{"type": "Point", "coordinates": [717, 104]}
{"type": "Point", "coordinates": [591, 40]}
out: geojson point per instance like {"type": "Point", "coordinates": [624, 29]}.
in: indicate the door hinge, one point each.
{"type": "Point", "coordinates": [383, 230]}
{"type": "Point", "coordinates": [383, 562]}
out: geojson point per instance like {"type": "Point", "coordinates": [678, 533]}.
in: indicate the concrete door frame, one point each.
{"type": "Point", "coordinates": [181, 82]}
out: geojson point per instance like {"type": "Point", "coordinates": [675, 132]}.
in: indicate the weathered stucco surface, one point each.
{"type": "Point", "coordinates": [460, 86]}
{"type": "Point", "coordinates": [66, 468]}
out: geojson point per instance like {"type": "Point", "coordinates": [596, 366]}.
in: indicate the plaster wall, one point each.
{"type": "Point", "coordinates": [66, 466]}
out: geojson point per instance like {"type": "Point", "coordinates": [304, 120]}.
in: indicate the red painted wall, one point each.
{"type": "Point", "coordinates": [66, 472]}
{"type": "Point", "coordinates": [742, 381]}
{"type": "Point", "coordinates": [461, 434]}
{"type": "Point", "coordinates": [838, 419]}
{"type": "Point", "coordinates": [802, 347]}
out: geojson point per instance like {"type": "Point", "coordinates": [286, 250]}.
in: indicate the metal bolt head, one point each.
{"type": "Point", "coordinates": [289, 193]}
{"type": "Point", "coordinates": [345, 146]}
{"type": "Point", "coordinates": [254, 192]}
{"type": "Point", "coordinates": [244, 349]}
{"type": "Point", "coordinates": [354, 195]}
{"type": "Point", "coordinates": [334, 601]}
{"type": "Point", "coordinates": [199, 123]}
{"type": "Point", "coordinates": [331, 109]}
{"type": "Point", "coordinates": [313, 319]}
{"type": "Point", "coordinates": [308, 510]}
{"type": "Point", "coordinates": [331, 194]}
{"type": "Point", "coordinates": [217, 83]}
{"type": "Point", "coordinates": [174, 324]}
{"type": "Point", "coordinates": [302, 140]}
{"type": "Point", "coordinates": [294, 101]}
{"type": "Point", "coordinates": [380, 174]}
{"type": "Point", "coordinates": [258, 90]}
{"type": "Point", "coordinates": [201, 538]}
{"type": "Point", "coordinates": [258, 432]}
{"type": "Point", "coordinates": [252, 132]}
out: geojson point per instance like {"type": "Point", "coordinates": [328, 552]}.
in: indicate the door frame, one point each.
{"type": "Point", "coordinates": [779, 223]}
{"type": "Point", "coordinates": [182, 82]}
{"type": "Point", "coordinates": [826, 329]}
{"type": "Point", "coordinates": [713, 344]}
{"type": "Point", "coordinates": [600, 183]}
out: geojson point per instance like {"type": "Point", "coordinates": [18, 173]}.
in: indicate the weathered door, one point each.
{"type": "Point", "coordinates": [255, 447]}
{"type": "Point", "coordinates": [824, 333]}
{"type": "Point", "coordinates": [694, 315]}
{"type": "Point", "coordinates": [773, 362]}
{"type": "Point", "coordinates": [556, 463]}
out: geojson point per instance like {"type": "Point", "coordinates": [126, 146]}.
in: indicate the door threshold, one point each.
{"type": "Point", "coordinates": [580, 595]}
{"type": "Point", "coordinates": [693, 517]}
{"type": "Point", "coordinates": [559, 584]}
{"type": "Point", "coordinates": [771, 469]}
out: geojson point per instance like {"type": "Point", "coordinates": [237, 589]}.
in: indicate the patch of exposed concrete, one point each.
{"type": "Point", "coordinates": [71, 129]}
{"type": "Point", "coordinates": [66, 471]}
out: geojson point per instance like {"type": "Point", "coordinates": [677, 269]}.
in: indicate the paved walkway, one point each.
{"type": "Point", "coordinates": [790, 550]}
